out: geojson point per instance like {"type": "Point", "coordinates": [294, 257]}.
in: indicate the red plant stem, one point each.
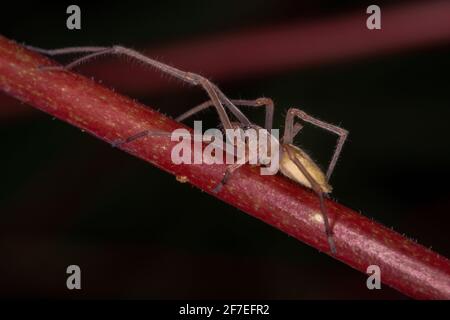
{"type": "Point", "coordinates": [405, 265]}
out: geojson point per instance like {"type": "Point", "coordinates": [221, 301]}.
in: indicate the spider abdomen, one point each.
{"type": "Point", "coordinates": [293, 172]}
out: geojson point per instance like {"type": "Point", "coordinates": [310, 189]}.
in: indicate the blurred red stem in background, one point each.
{"type": "Point", "coordinates": [405, 265]}
{"type": "Point", "coordinates": [267, 50]}
{"type": "Point", "coordinates": [271, 49]}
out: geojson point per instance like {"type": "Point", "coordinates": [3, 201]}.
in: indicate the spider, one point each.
{"type": "Point", "coordinates": [294, 163]}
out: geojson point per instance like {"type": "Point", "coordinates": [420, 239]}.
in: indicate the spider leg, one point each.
{"type": "Point", "coordinates": [316, 188]}
{"type": "Point", "coordinates": [228, 172]}
{"type": "Point", "coordinates": [145, 133]}
{"type": "Point", "coordinates": [213, 92]}
{"type": "Point", "coordinates": [296, 129]}
{"type": "Point", "coordinates": [328, 230]}
{"type": "Point", "coordinates": [68, 50]}
{"type": "Point", "coordinates": [260, 102]}
{"type": "Point", "coordinates": [233, 109]}
{"type": "Point", "coordinates": [289, 133]}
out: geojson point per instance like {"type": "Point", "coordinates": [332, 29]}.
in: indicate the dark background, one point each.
{"type": "Point", "coordinates": [68, 198]}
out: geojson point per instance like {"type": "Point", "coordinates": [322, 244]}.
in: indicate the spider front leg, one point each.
{"type": "Point", "coordinates": [194, 79]}
{"type": "Point", "coordinates": [289, 133]}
